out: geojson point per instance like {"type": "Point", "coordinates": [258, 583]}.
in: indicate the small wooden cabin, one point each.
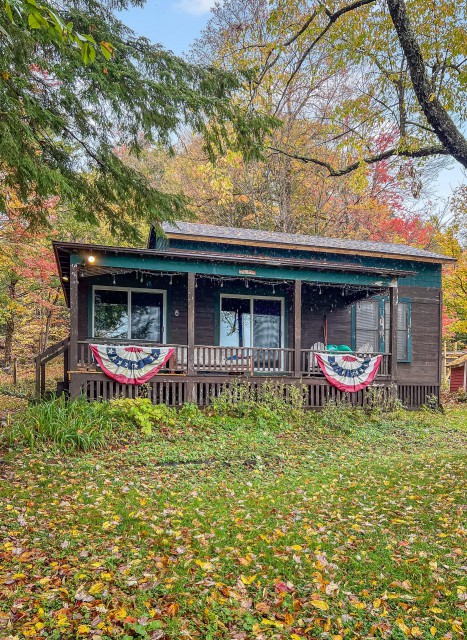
{"type": "Point", "coordinates": [242, 303]}
{"type": "Point", "coordinates": [458, 377]}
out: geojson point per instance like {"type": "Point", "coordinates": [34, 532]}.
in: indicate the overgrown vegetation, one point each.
{"type": "Point", "coordinates": [242, 419]}
{"type": "Point", "coordinates": [232, 523]}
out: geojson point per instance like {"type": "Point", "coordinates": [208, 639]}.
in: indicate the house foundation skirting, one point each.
{"type": "Point", "coordinates": [177, 390]}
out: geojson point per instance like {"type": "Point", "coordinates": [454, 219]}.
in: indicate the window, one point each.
{"type": "Point", "coordinates": [402, 330]}
{"type": "Point", "coordinates": [367, 325]}
{"type": "Point", "coordinates": [124, 313]}
{"type": "Point", "coordinates": [251, 322]}
{"type": "Point", "coordinates": [371, 327]}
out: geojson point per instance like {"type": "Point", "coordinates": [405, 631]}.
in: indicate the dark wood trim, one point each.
{"type": "Point", "coordinates": [191, 323]}
{"type": "Point", "coordinates": [393, 307]}
{"type": "Point", "coordinates": [297, 306]}
{"type": "Point", "coordinates": [440, 342]}
{"type": "Point", "coordinates": [74, 310]}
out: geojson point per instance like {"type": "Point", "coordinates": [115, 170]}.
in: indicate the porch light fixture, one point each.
{"type": "Point", "coordinates": [91, 259]}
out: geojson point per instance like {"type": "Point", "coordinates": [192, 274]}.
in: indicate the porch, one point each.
{"type": "Point", "coordinates": [256, 312]}
{"type": "Point", "coordinates": [294, 321]}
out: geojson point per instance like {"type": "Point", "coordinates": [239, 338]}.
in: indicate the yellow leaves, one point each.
{"type": "Point", "coordinates": [62, 620]}
{"type": "Point", "coordinates": [120, 614]}
{"type": "Point", "coordinates": [457, 626]}
{"type": "Point", "coordinates": [83, 629]}
{"type": "Point", "coordinates": [377, 603]}
{"type": "Point", "coordinates": [205, 566]}
{"type": "Point", "coordinates": [296, 547]}
{"type": "Point", "coordinates": [248, 580]}
{"type": "Point", "coordinates": [97, 587]}
{"type": "Point", "coordinates": [416, 632]}
{"type": "Point", "coordinates": [320, 604]}
{"type": "Point", "coordinates": [272, 623]}
{"type": "Point", "coordinates": [433, 631]}
{"type": "Point", "coordinates": [106, 576]}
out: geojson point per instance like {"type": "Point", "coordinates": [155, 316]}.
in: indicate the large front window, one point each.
{"type": "Point", "coordinates": [251, 322]}
{"type": "Point", "coordinates": [124, 313]}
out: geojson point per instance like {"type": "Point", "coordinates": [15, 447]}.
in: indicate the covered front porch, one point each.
{"type": "Point", "coordinates": [223, 321]}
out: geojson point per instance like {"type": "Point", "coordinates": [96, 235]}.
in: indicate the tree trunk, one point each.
{"type": "Point", "coordinates": [438, 118]}
{"type": "Point", "coordinates": [10, 324]}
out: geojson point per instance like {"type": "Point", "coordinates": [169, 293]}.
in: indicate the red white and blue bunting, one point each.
{"type": "Point", "coordinates": [131, 364]}
{"type": "Point", "coordinates": [348, 372]}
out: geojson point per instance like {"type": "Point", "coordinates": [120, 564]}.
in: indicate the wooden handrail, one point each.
{"type": "Point", "coordinates": [48, 354]}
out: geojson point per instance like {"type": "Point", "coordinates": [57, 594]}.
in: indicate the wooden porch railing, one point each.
{"type": "Point", "coordinates": [309, 365]}
{"type": "Point", "coordinates": [174, 365]}
{"type": "Point", "coordinates": [230, 360]}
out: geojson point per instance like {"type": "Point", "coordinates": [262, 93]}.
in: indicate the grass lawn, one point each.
{"type": "Point", "coordinates": [306, 532]}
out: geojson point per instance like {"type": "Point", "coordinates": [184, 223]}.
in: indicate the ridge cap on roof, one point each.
{"type": "Point", "coordinates": [373, 246]}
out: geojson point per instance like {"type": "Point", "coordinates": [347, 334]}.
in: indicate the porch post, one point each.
{"type": "Point", "coordinates": [191, 324]}
{"type": "Point", "coordinates": [393, 305]}
{"type": "Point", "coordinates": [73, 349]}
{"type": "Point", "coordinates": [297, 327]}
{"type": "Point", "coordinates": [73, 355]}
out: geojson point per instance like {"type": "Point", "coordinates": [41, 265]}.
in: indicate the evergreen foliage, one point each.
{"type": "Point", "coordinates": [76, 84]}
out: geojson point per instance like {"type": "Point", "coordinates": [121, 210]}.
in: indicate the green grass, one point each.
{"type": "Point", "coordinates": [346, 525]}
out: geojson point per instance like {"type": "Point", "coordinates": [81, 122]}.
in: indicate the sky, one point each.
{"type": "Point", "coordinates": [172, 23]}
{"type": "Point", "coordinates": [175, 24]}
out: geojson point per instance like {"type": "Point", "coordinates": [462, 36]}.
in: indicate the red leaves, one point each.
{"type": "Point", "coordinates": [283, 587]}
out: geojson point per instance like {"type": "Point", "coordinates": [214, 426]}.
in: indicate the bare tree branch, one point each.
{"type": "Point", "coordinates": [424, 152]}
{"type": "Point", "coordinates": [332, 18]}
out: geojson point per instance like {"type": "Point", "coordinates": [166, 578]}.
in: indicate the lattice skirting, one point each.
{"type": "Point", "coordinates": [175, 391]}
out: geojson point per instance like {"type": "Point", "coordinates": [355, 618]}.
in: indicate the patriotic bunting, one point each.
{"type": "Point", "coordinates": [348, 372]}
{"type": "Point", "coordinates": [131, 364]}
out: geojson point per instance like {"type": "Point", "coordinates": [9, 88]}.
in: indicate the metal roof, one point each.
{"type": "Point", "coordinates": [234, 235]}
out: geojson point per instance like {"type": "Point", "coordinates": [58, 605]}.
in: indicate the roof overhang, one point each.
{"type": "Point", "coordinates": [79, 253]}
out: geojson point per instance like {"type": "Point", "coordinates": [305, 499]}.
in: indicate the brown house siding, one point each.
{"type": "Point", "coordinates": [424, 368]}
{"type": "Point", "coordinates": [425, 304]}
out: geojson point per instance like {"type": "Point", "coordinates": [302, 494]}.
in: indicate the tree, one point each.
{"type": "Point", "coordinates": [74, 83]}
{"type": "Point", "coordinates": [280, 191]}
{"type": "Point", "coordinates": [407, 73]}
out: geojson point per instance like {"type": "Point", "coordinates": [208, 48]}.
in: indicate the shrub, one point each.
{"type": "Point", "coordinates": [274, 403]}
{"type": "Point", "coordinates": [460, 395]}
{"type": "Point", "coordinates": [78, 425]}
{"type": "Point", "coordinates": [340, 416]}
{"type": "Point", "coordinates": [142, 413]}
